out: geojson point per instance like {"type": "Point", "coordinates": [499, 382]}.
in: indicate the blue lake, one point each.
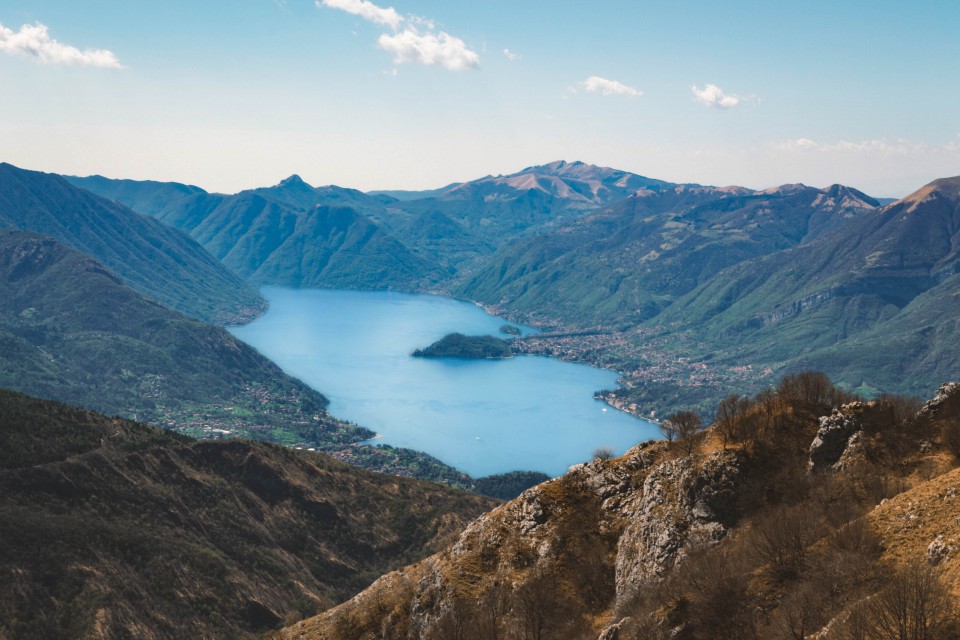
{"type": "Point", "coordinates": [480, 416]}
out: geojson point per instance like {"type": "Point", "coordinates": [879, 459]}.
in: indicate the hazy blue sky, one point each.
{"type": "Point", "coordinates": [231, 95]}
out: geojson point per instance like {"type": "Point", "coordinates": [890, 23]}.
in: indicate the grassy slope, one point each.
{"type": "Point", "coordinates": [626, 263]}
{"type": "Point", "coordinates": [762, 550]}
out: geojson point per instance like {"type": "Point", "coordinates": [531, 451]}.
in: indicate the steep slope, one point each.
{"type": "Point", "coordinates": [72, 331]}
{"type": "Point", "coordinates": [150, 257]}
{"type": "Point", "coordinates": [324, 246]}
{"type": "Point", "coordinates": [290, 234]}
{"type": "Point", "coordinates": [626, 263]}
{"type": "Point", "coordinates": [887, 278]}
{"type": "Point", "coordinates": [765, 526]}
{"type": "Point", "coordinates": [112, 529]}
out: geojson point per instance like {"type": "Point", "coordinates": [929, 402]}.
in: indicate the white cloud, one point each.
{"type": "Point", "coordinates": [605, 87]}
{"type": "Point", "coordinates": [713, 96]}
{"type": "Point", "coordinates": [419, 41]}
{"type": "Point", "coordinates": [429, 48]}
{"type": "Point", "coordinates": [366, 10]}
{"type": "Point", "coordinates": [510, 55]}
{"type": "Point", "coordinates": [800, 143]}
{"type": "Point", "coordinates": [35, 41]}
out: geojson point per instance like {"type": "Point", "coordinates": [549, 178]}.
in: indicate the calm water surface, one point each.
{"type": "Point", "coordinates": [481, 416]}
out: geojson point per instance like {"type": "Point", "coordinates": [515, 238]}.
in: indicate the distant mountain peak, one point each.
{"type": "Point", "coordinates": [560, 168]}
{"type": "Point", "coordinates": [294, 181]}
{"type": "Point", "coordinates": [948, 187]}
{"type": "Point", "coordinates": [841, 192]}
{"type": "Point", "coordinates": [785, 189]}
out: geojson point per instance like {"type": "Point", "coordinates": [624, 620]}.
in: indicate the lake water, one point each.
{"type": "Point", "coordinates": [480, 416]}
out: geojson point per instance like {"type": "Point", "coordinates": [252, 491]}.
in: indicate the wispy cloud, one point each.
{"type": "Point", "coordinates": [605, 87]}
{"type": "Point", "coordinates": [510, 55]}
{"type": "Point", "coordinates": [876, 146]}
{"type": "Point", "coordinates": [414, 39]}
{"type": "Point", "coordinates": [713, 96]}
{"type": "Point", "coordinates": [33, 40]}
{"type": "Point", "coordinates": [366, 10]}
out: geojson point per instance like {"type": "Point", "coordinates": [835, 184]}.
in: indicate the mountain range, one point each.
{"type": "Point", "coordinates": [414, 240]}
{"type": "Point", "coordinates": [627, 262]}
{"type": "Point", "coordinates": [803, 509]}
{"type": "Point", "coordinates": [776, 280]}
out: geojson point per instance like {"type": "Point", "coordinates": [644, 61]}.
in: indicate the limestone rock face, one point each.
{"type": "Point", "coordinates": [682, 504]}
{"type": "Point", "coordinates": [834, 436]}
{"type": "Point", "coordinates": [947, 399]}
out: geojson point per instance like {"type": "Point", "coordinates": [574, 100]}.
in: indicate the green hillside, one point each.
{"type": "Point", "coordinates": [154, 259]}
{"type": "Point", "coordinates": [626, 263]}
{"type": "Point", "coordinates": [872, 304]}
{"type": "Point", "coordinates": [72, 331]}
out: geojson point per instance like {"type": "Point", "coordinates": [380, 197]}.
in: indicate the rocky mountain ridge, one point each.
{"type": "Point", "coordinates": [725, 541]}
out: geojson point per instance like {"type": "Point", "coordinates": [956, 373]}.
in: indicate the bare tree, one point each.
{"type": "Point", "coordinates": [810, 387]}
{"type": "Point", "coordinates": [534, 605]}
{"type": "Point", "coordinates": [492, 606]}
{"type": "Point", "coordinates": [686, 424]}
{"type": "Point", "coordinates": [781, 539]}
{"type": "Point", "coordinates": [950, 436]}
{"type": "Point", "coordinates": [668, 429]}
{"type": "Point", "coordinates": [731, 412]}
{"type": "Point", "coordinates": [914, 606]}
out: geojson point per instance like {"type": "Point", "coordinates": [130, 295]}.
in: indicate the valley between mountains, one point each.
{"type": "Point", "coordinates": [800, 323]}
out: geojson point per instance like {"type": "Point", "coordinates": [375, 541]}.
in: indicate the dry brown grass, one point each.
{"type": "Point", "coordinates": [909, 522]}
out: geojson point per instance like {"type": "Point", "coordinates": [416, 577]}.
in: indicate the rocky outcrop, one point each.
{"type": "Point", "coordinates": [607, 526]}
{"type": "Point", "coordinates": [683, 504]}
{"type": "Point", "coordinates": [939, 551]}
{"type": "Point", "coordinates": [591, 554]}
{"type": "Point", "coordinates": [946, 401]}
{"type": "Point", "coordinates": [834, 436]}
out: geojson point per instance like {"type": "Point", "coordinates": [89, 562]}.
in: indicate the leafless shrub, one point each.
{"type": "Point", "coordinates": [730, 416]}
{"type": "Point", "coordinates": [781, 539]}
{"type": "Point", "coordinates": [603, 453]}
{"type": "Point", "coordinates": [914, 605]}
